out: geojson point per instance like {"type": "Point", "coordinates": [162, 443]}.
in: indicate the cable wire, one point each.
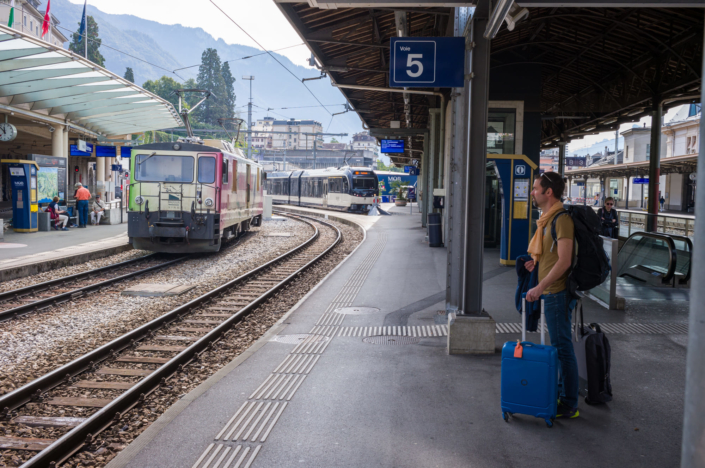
{"type": "Point", "coordinates": [247, 57]}
{"type": "Point", "coordinates": [270, 54]}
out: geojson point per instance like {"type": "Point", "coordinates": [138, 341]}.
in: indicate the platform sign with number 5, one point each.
{"type": "Point", "coordinates": [427, 62]}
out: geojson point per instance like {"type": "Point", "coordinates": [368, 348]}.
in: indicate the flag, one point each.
{"type": "Point", "coordinates": [11, 21]}
{"type": "Point", "coordinates": [84, 27]}
{"type": "Point", "coordinates": [46, 24]}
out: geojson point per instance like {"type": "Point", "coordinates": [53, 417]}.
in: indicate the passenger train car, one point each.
{"type": "Point", "coordinates": [344, 189]}
{"type": "Point", "coordinates": [186, 197]}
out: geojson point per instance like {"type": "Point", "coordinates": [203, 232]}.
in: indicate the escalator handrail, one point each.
{"type": "Point", "coordinates": [672, 258]}
{"type": "Point", "coordinates": [689, 243]}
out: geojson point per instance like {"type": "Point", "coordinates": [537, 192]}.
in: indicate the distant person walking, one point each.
{"type": "Point", "coordinates": [661, 202]}
{"type": "Point", "coordinates": [82, 197]}
{"type": "Point", "coordinates": [609, 219]}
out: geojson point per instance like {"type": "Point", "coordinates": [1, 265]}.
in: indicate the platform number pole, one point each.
{"type": "Point", "coordinates": [694, 424]}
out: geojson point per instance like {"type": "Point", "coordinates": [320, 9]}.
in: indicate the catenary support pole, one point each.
{"type": "Point", "coordinates": [654, 164]}
{"type": "Point", "coordinates": [693, 448]}
{"type": "Point", "coordinates": [561, 158]}
{"type": "Point", "coordinates": [477, 163]}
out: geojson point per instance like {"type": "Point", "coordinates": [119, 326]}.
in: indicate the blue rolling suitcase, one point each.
{"type": "Point", "coordinates": [530, 382]}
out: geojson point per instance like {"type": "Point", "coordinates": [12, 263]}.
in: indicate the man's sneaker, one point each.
{"type": "Point", "coordinates": [565, 411]}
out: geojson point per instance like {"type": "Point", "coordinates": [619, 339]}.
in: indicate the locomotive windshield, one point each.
{"type": "Point", "coordinates": [206, 170]}
{"type": "Point", "coordinates": [163, 168]}
{"type": "Point", "coordinates": [364, 182]}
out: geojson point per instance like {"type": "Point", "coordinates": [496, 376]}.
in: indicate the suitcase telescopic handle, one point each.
{"type": "Point", "coordinates": [523, 319]}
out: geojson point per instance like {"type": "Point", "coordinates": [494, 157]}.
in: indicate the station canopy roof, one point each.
{"type": "Point", "coordinates": [53, 84]}
{"type": "Point", "coordinates": [598, 67]}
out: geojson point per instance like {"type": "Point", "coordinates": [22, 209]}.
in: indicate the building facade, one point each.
{"type": "Point", "coordinates": [363, 141]}
{"type": "Point", "coordinates": [29, 19]}
{"type": "Point", "coordinates": [272, 134]}
{"type": "Point", "coordinates": [681, 137]}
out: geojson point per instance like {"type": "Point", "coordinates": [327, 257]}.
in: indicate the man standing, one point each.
{"type": "Point", "coordinates": [98, 210]}
{"type": "Point", "coordinates": [553, 260]}
{"type": "Point", "coordinates": [82, 197]}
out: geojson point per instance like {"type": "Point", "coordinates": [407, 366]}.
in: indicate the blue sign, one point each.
{"type": "Point", "coordinates": [411, 170]}
{"type": "Point", "coordinates": [75, 152]}
{"type": "Point", "coordinates": [115, 167]}
{"type": "Point", "coordinates": [125, 151]}
{"type": "Point", "coordinates": [639, 180]}
{"type": "Point", "coordinates": [392, 146]}
{"type": "Point", "coordinates": [575, 161]}
{"type": "Point", "coordinates": [427, 62]}
{"type": "Point", "coordinates": [105, 151]}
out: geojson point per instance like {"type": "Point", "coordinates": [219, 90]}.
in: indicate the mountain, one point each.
{"type": "Point", "coordinates": [163, 47]}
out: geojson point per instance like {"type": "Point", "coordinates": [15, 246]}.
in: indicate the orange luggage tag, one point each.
{"type": "Point", "coordinates": [519, 350]}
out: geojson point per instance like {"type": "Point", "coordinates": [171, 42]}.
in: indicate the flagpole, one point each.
{"type": "Point", "coordinates": [85, 32]}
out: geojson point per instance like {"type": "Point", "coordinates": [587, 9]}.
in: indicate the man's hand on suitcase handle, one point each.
{"type": "Point", "coordinates": [534, 294]}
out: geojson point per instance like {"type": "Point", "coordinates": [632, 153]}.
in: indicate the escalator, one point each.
{"type": "Point", "coordinates": [654, 266]}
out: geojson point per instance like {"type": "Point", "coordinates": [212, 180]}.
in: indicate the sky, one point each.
{"type": "Point", "coordinates": [261, 18]}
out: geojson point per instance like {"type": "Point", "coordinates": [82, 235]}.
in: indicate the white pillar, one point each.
{"type": "Point", "coordinates": [100, 177]}
{"type": "Point", "coordinates": [57, 141]}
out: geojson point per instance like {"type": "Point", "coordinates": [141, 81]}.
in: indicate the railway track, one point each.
{"type": "Point", "coordinates": [152, 353]}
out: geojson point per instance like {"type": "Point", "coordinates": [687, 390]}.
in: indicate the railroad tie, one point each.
{"type": "Point", "coordinates": [142, 359]}
{"type": "Point", "coordinates": [104, 385]}
{"type": "Point", "coordinates": [163, 348]}
{"type": "Point", "coordinates": [137, 372]}
{"type": "Point", "coordinates": [87, 402]}
{"type": "Point", "coordinates": [25, 443]}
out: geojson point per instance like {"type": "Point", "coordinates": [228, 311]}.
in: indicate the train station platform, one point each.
{"type": "Point", "coordinates": [358, 375]}
{"type": "Point", "coordinates": [24, 254]}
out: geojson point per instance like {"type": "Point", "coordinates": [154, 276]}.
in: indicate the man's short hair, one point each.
{"type": "Point", "coordinates": [553, 181]}
{"type": "Point", "coordinates": [78, 185]}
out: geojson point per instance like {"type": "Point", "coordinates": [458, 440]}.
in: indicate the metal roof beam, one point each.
{"type": "Point", "coordinates": [83, 98]}
{"type": "Point", "coordinates": [67, 109]}
{"type": "Point", "coordinates": [381, 132]}
{"type": "Point", "coordinates": [18, 53]}
{"type": "Point", "coordinates": [115, 110]}
{"type": "Point", "coordinates": [134, 116]}
{"type": "Point", "coordinates": [23, 88]}
{"type": "Point", "coordinates": [123, 130]}
{"type": "Point", "coordinates": [356, 44]}
{"type": "Point", "coordinates": [610, 3]}
{"type": "Point", "coordinates": [27, 76]}
{"type": "Point", "coordinates": [9, 65]}
{"type": "Point", "coordinates": [61, 92]}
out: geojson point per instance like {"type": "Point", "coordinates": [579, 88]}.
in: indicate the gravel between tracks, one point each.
{"type": "Point", "coordinates": [71, 270]}
{"type": "Point", "coordinates": [37, 343]}
{"type": "Point", "coordinates": [237, 340]}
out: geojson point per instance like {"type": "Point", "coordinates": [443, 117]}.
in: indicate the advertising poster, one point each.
{"type": "Point", "coordinates": [48, 184]}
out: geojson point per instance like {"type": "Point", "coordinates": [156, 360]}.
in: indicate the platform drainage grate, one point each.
{"type": "Point", "coordinates": [357, 310]}
{"type": "Point", "coordinates": [391, 340]}
{"type": "Point", "coordinates": [296, 339]}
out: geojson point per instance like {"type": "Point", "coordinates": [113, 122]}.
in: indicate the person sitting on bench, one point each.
{"type": "Point", "coordinates": [98, 210]}
{"type": "Point", "coordinates": [57, 215]}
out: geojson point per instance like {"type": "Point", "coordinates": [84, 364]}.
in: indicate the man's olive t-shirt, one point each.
{"type": "Point", "coordinates": [564, 229]}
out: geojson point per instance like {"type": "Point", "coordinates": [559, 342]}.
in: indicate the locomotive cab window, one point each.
{"type": "Point", "coordinates": [206, 169]}
{"type": "Point", "coordinates": [225, 171]}
{"type": "Point", "coordinates": [163, 168]}
{"type": "Point", "coordinates": [365, 182]}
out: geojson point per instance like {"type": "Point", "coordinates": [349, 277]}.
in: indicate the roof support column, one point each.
{"type": "Point", "coordinates": [434, 145]}
{"type": "Point", "coordinates": [58, 143]}
{"type": "Point", "coordinates": [471, 330]}
{"type": "Point", "coordinates": [425, 179]}
{"type": "Point", "coordinates": [694, 424]}
{"type": "Point", "coordinates": [561, 158]}
{"type": "Point", "coordinates": [654, 164]}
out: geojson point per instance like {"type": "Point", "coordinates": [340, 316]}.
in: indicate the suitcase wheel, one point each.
{"type": "Point", "coordinates": [549, 422]}
{"type": "Point", "coordinates": [505, 416]}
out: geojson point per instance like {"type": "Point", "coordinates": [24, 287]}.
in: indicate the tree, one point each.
{"type": "Point", "coordinates": [333, 140]}
{"type": "Point", "coordinates": [164, 87]}
{"type": "Point", "coordinates": [129, 75]}
{"type": "Point", "coordinates": [210, 77]}
{"type": "Point", "coordinates": [229, 81]}
{"type": "Point", "coordinates": [78, 45]}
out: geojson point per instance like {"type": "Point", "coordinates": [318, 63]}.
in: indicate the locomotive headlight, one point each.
{"type": "Point", "coordinates": [139, 200]}
{"type": "Point", "coordinates": [209, 202]}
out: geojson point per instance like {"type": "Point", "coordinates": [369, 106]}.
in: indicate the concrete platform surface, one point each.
{"type": "Point", "coordinates": [376, 388]}
{"type": "Point", "coordinates": [23, 254]}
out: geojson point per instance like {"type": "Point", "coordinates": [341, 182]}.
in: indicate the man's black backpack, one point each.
{"type": "Point", "coordinates": [590, 265]}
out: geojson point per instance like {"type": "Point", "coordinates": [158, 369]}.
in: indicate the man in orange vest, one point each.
{"type": "Point", "coordinates": [82, 195]}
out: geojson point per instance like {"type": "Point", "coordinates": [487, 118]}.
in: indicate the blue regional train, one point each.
{"type": "Point", "coordinates": [344, 189]}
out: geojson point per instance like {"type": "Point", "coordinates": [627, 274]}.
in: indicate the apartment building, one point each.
{"type": "Point", "coordinates": [29, 16]}
{"type": "Point", "coordinates": [270, 133]}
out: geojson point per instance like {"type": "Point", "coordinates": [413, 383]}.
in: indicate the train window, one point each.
{"type": "Point", "coordinates": [225, 171]}
{"type": "Point", "coordinates": [162, 168]}
{"type": "Point", "coordinates": [346, 186]}
{"type": "Point", "coordinates": [206, 169]}
{"type": "Point", "coordinates": [364, 183]}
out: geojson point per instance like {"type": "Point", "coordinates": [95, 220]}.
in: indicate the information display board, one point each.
{"type": "Point", "coordinates": [51, 177]}
{"type": "Point", "coordinates": [392, 146]}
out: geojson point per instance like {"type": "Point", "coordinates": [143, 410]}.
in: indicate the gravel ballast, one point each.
{"type": "Point", "coordinates": [242, 336]}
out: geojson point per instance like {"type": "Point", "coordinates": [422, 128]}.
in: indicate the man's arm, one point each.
{"type": "Point", "coordinates": [565, 256]}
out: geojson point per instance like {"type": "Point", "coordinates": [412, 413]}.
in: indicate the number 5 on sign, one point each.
{"type": "Point", "coordinates": [410, 62]}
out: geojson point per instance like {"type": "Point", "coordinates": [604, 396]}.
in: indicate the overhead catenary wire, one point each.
{"type": "Point", "coordinates": [246, 57]}
{"type": "Point", "coordinates": [270, 54]}
{"type": "Point", "coordinates": [125, 53]}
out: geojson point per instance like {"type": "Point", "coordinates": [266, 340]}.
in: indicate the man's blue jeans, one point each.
{"type": "Point", "coordinates": [558, 318]}
{"type": "Point", "coordinates": [82, 206]}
